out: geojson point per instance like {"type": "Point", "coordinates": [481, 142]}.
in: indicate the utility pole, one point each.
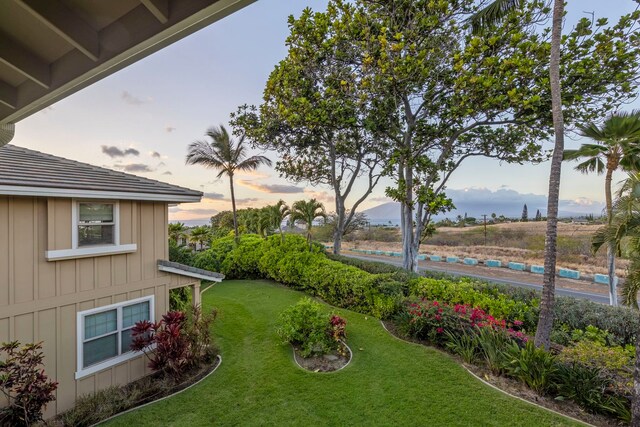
{"type": "Point", "coordinates": [485, 228]}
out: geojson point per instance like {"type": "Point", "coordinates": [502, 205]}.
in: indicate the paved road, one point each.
{"type": "Point", "coordinates": [603, 299]}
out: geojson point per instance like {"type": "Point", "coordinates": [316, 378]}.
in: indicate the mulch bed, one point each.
{"type": "Point", "coordinates": [516, 388]}
{"type": "Point", "coordinates": [325, 363]}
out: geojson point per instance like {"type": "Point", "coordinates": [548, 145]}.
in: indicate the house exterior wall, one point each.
{"type": "Point", "coordinates": [39, 299]}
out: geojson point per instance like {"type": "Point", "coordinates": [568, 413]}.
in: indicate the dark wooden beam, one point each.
{"type": "Point", "coordinates": [159, 9]}
{"type": "Point", "coordinates": [24, 62]}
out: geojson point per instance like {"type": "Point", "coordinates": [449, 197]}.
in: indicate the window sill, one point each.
{"type": "Point", "coordinates": [109, 363]}
{"type": "Point", "coordinates": [87, 252]}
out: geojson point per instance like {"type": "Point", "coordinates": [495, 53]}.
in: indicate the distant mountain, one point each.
{"type": "Point", "coordinates": [193, 222]}
{"type": "Point", "coordinates": [477, 201]}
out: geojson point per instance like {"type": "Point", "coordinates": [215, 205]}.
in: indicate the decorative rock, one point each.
{"type": "Point", "coordinates": [537, 269]}
{"type": "Point", "coordinates": [602, 279]}
{"type": "Point", "coordinates": [398, 254]}
{"type": "Point", "coordinates": [470, 261]}
{"type": "Point", "coordinates": [330, 357]}
{"type": "Point", "coordinates": [422, 257]}
{"type": "Point", "coordinates": [379, 253]}
{"type": "Point", "coordinates": [388, 253]}
{"type": "Point", "coordinates": [436, 258]}
{"type": "Point", "coordinates": [569, 274]}
{"type": "Point", "coordinates": [452, 259]}
{"type": "Point", "coordinates": [518, 266]}
{"type": "Point", "coordinates": [493, 263]}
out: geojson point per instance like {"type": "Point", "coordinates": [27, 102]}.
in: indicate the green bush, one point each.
{"type": "Point", "coordinates": [620, 322]}
{"type": "Point", "coordinates": [617, 359]}
{"type": "Point", "coordinates": [533, 366]}
{"type": "Point", "coordinates": [212, 258]}
{"type": "Point", "coordinates": [591, 390]}
{"type": "Point", "coordinates": [181, 254]}
{"type": "Point", "coordinates": [307, 326]}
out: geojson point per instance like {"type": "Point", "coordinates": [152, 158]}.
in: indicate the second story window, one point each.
{"type": "Point", "coordinates": [96, 224]}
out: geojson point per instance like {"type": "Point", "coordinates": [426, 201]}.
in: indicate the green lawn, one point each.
{"type": "Point", "coordinates": [389, 382]}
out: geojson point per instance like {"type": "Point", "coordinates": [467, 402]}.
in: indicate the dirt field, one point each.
{"type": "Point", "coordinates": [520, 242]}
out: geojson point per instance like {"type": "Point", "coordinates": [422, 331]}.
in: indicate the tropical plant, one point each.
{"type": "Point", "coordinates": [278, 213]}
{"type": "Point", "coordinates": [307, 325]}
{"type": "Point", "coordinates": [307, 211]}
{"type": "Point", "coordinates": [617, 146]}
{"type": "Point", "coordinates": [177, 232]}
{"type": "Point", "coordinates": [624, 224]}
{"type": "Point", "coordinates": [199, 235]}
{"type": "Point", "coordinates": [227, 156]}
{"type": "Point", "coordinates": [25, 386]}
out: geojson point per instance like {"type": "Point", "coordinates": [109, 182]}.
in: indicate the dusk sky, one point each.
{"type": "Point", "coordinates": [142, 118]}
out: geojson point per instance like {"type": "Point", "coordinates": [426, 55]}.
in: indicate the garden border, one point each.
{"type": "Point", "coordinates": [293, 350]}
{"type": "Point", "coordinates": [219, 357]}
{"type": "Point", "coordinates": [488, 383]}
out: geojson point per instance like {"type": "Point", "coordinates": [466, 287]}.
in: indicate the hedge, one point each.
{"type": "Point", "coordinates": [292, 263]}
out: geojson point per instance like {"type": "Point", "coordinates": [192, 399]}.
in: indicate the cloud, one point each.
{"type": "Point", "coordinates": [382, 199]}
{"type": "Point", "coordinates": [131, 99]}
{"type": "Point", "coordinates": [246, 201]}
{"type": "Point", "coordinates": [113, 151]}
{"type": "Point", "coordinates": [323, 196]}
{"type": "Point", "coordinates": [272, 188]}
{"type": "Point", "coordinates": [155, 155]}
{"type": "Point", "coordinates": [169, 129]}
{"type": "Point", "coordinates": [213, 196]}
{"type": "Point", "coordinates": [134, 167]}
{"type": "Point", "coordinates": [167, 173]}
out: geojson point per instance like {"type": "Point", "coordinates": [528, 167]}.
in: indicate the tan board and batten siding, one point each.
{"type": "Point", "coordinates": [39, 299]}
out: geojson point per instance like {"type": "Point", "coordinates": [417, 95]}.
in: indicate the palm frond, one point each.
{"type": "Point", "coordinates": [492, 14]}
{"type": "Point", "coordinates": [595, 164]}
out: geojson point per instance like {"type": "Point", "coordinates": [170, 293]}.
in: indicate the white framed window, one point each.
{"type": "Point", "coordinates": [95, 223]}
{"type": "Point", "coordinates": [95, 226]}
{"type": "Point", "coordinates": [104, 334]}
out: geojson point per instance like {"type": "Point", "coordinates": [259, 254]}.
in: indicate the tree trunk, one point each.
{"type": "Point", "coordinates": [233, 207]}
{"type": "Point", "coordinates": [339, 225]}
{"type": "Point", "coordinates": [611, 247]}
{"type": "Point", "coordinates": [635, 403]}
{"type": "Point", "coordinates": [545, 321]}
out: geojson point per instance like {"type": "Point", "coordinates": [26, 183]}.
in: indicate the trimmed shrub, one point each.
{"type": "Point", "coordinates": [308, 327]}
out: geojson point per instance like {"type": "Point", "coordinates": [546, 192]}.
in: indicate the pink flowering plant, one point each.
{"type": "Point", "coordinates": [435, 321]}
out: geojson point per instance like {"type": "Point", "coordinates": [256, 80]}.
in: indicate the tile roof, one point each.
{"type": "Point", "coordinates": [23, 170]}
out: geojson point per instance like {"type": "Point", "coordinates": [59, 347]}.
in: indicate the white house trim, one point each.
{"type": "Point", "coordinates": [91, 251]}
{"type": "Point", "coordinates": [168, 269]}
{"type": "Point", "coordinates": [14, 190]}
{"type": "Point", "coordinates": [89, 370]}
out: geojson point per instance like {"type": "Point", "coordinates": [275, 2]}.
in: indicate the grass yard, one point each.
{"type": "Point", "coordinates": [389, 382]}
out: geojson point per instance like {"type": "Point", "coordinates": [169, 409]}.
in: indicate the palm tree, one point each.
{"type": "Point", "coordinates": [278, 213]}
{"type": "Point", "coordinates": [199, 235]}
{"type": "Point", "coordinates": [617, 147]}
{"type": "Point", "coordinates": [307, 212]}
{"type": "Point", "coordinates": [176, 231]}
{"type": "Point", "coordinates": [227, 156]}
{"type": "Point", "coordinates": [492, 14]}
{"type": "Point", "coordinates": [624, 224]}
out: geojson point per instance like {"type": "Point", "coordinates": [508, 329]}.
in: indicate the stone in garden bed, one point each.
{"type": "Point", "coordinates": [331, 362]}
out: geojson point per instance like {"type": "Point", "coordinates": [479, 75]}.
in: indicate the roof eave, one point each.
{"type": "Point", "coordinates": [13, 190]}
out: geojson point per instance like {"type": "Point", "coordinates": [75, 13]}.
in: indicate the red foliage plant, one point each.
{"type": "Point", "coordinates": [164, 343]}
{"type": "Point", "coordinates": [24, 384]}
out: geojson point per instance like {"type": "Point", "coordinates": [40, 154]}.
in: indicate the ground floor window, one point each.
{"type": "Point", "coordinates": [104, 333]}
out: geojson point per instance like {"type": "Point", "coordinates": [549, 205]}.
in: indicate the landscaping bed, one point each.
{"type": "Point", "coordinates": [388, 382]}
{"type": "Point", "coordinates": [330, 362]}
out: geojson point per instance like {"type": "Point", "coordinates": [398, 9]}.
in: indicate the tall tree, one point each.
{"type": "Point", "coordinates": [307, 211]}
{"type": "Point", "coordinates": [278, 213]}
{"type": "Point", "coordinates": [177, 232]}
{"type": "Point", "coordinates": [497, 12]}
{"type": "Point", "coordinates": [617, 146]}
{"type": "Point", "coordinates": [461, 95]}
{"type": "Point", "coordinates": [525, 213]}
{"type": "Point", "coordinates": [624, 224]}
{"type": "Point", "coordinates": [317, 112]}
{"type": "Point", "coordinates": [227, 156]}
{"type": "Point", "coordinates": [545, 320]}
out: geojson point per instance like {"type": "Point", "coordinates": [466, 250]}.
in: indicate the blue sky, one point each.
{"type": "Point", "coordinates": [159, 105]}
